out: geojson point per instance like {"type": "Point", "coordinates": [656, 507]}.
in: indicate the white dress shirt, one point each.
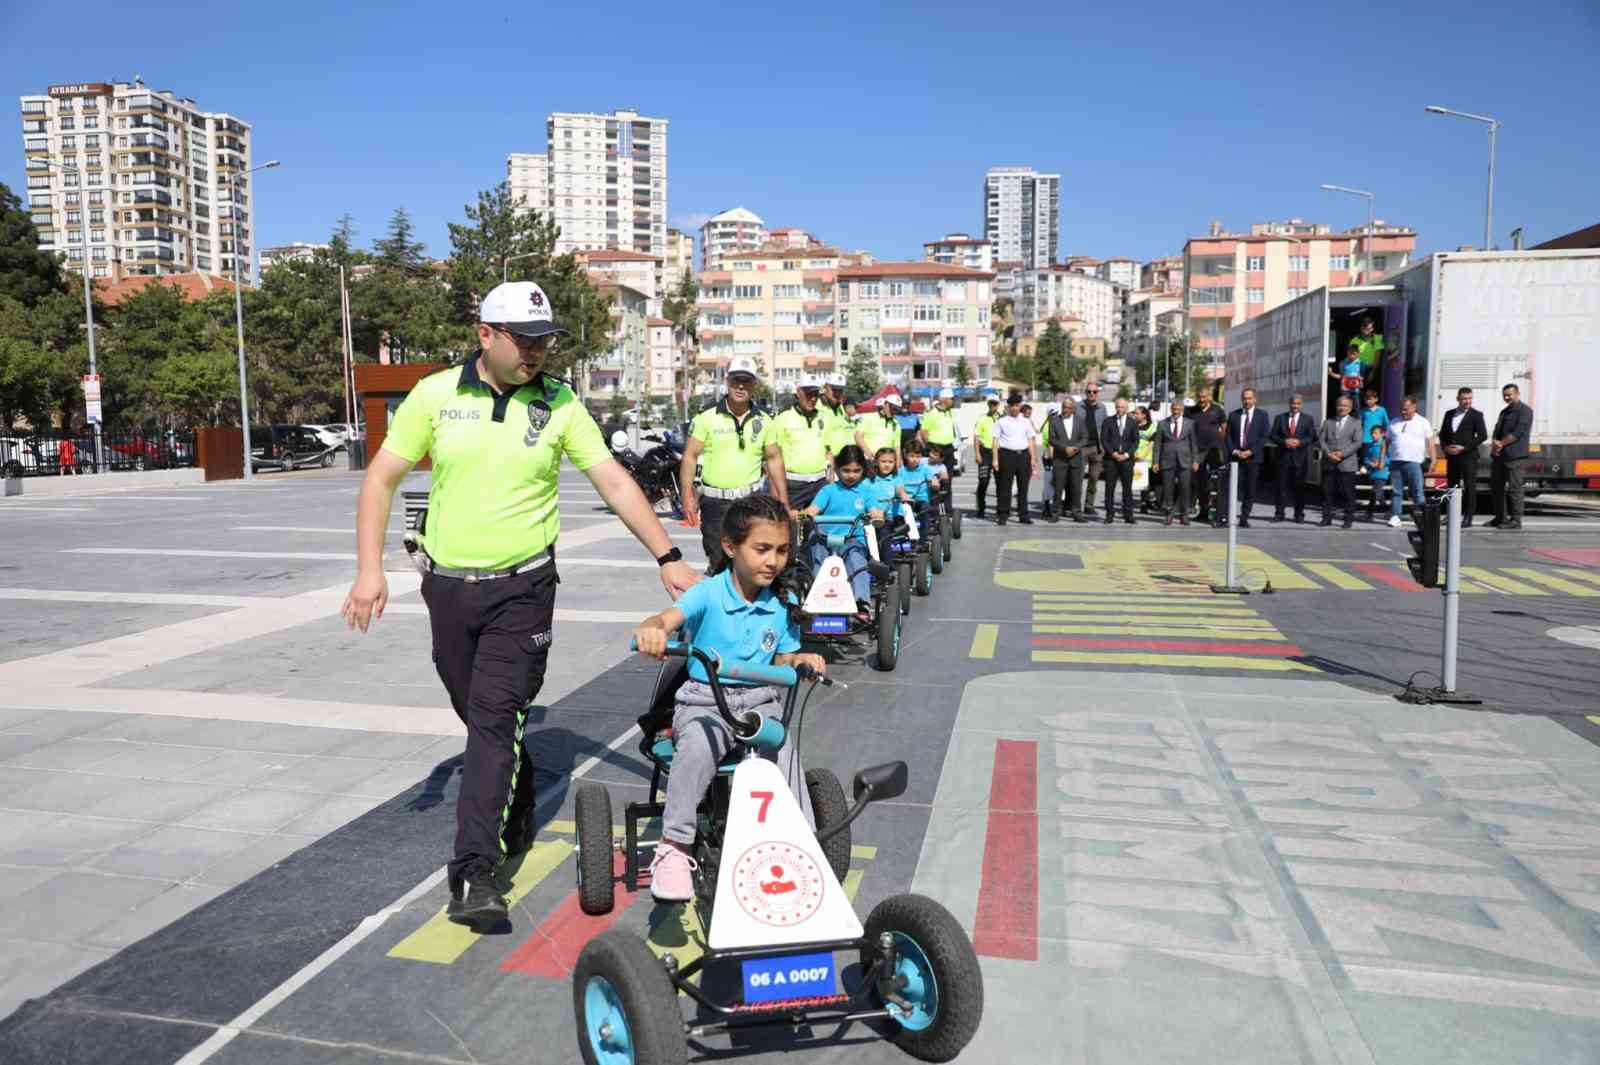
{"type": "Point", "coordinates": [1013, 432]}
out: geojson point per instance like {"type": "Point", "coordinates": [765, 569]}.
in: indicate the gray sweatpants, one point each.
{"type": "Point", "coordinates": [701, 739]}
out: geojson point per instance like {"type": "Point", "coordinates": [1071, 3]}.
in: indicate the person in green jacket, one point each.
{"type": "Point", "coordinates": [1145, 453]}
{"type": "Point", "coordinates": [983, 446]}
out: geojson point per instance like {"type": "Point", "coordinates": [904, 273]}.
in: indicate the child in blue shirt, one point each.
{"type": "Point", "coordinates": [743, 614]}
{"type": "Point", "coordinates": [1348, 374]}
{"type": "Point", "coordinates": [847, 497]}
{"type": "Point", "coordinates": [885, 492]}
{"type": "Point", "coordinates": [1375, 464]}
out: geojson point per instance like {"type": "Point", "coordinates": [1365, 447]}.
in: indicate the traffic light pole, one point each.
{"type": "Point", "coordinates": [1452, 590]}
{"type": "Point", "coordinates": [1228, 585]}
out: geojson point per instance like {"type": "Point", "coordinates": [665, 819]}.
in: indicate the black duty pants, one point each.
{"type": "Point", "coordinates": [1119, 473]}
{"type": "Point", "coordinates": [1210, 459]}
{"type": "Point", "coordinates": [1175, 480]}
{"type": "Point", "coordinates": [490, 643]}
{"type": "Point", "coordinates": [1339, 486]}
{"type": "Point", "coordinates": [985, 457]}
{"type": "Point", "coordinates": [1463, 470]}
{"type": "Point", "coordinates": [1248, 473]}
{"type": "Point", "coordinates": [801, 493]}
{"type": "Point", "coordinates": [1014, 467]}
{"type": "Point", "coordinates": [1292, 480]}
{"type": "Point", "coordinates": [1505, 482]}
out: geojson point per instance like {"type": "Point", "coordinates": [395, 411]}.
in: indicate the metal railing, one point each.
{"type": "Point", "coordinates": [45, 454]}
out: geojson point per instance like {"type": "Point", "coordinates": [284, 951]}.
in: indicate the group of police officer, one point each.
{"type": "Point", "coordinates": [736, 444]}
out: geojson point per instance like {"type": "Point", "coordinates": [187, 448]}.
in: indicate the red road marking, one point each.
{"type": "Point", "coordinates": [1214, 647]}
{"type": "Point", "coordinates": [553, 949]}
{"type": "Point", "coordinates": [1008, 894]}
{"type": "Point", "coordinates": [1572, 556]}
{"type": "Point", "coordinates": [1400, 581]}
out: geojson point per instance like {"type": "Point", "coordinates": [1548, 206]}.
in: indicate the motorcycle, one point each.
{"type": "Point", "coordinates": [656, 470]}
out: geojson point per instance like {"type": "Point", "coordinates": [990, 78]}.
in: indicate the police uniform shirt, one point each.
{"type": "Point", "coordinates": [732, 456]}
{"type": "Point", "coordinates": [839, 430]}
{"type": "Point", "coordinates": [984, 429]}
{"type": "Point", "coordinates": [492, 501]}
{"type": "Point", "coordinates": [801, 439]}
{"type": "Point", "coordinates": [940, 425]}
{"type": "Point", "coordinates": [879, 432]}
{"type": "Point", "coordinates": [721, 620]}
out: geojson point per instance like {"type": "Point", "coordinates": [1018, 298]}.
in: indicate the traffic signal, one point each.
{"type": "Point", "coordinates": [1424, 565]}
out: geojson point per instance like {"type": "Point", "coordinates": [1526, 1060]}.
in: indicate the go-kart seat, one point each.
{"type": "Point", "coordinates": [655, 724]}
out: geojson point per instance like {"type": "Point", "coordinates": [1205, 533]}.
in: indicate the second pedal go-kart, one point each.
{"type": "Point", "coordinates": [828, 601]}
{"type": "Point", "coordinates": [768, 889]}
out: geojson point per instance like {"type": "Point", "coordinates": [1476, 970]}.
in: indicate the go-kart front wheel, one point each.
{"type": "Point", "coordinates": [625, 1005]}
{"type": "Point", "coordinates": [889, 624]}
{"type": "Point", "coordinates": [944, 541]}
{"type": "Point", "coordinates": [829, 807]}
{"type": "Point", "coordinates": [592, 811]}
{"type": "Point", "coordinates": [955, 524]}
{"type": "Point", "coordinates": [936, 555]}
{"type": "Point", "coordinates": [924, 571]}
{"type": "Point", "coordinates": [903, 569]}
{"type": "Point", "coordinates": [943, 983]}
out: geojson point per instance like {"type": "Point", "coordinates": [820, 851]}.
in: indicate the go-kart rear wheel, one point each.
{"type": "Point", "coordinates": [592, 811]}
{"type": "Point", "coordinates": [936, 555]}
{"type": "Point", "coordinates": [889, 625]}
{"type": "Point", "coordinates": [924, 571]}
{"type": "Point", "coordinates": [944, 541]}
{"type": "Point", "coordinates": [903, 578]}
{"type": "Point", "coordinates": [829, 807]}
{"type": "Point", "coordinates": [625, 1005]}
{"type": "Point", "coordinates": [944, 985]}
{"type": "Point", "coordinates": [955, 524]}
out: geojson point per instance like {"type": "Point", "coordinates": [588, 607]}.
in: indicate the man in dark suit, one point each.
{"type": "Point", "coordinates": [1119, 439]}
{"type": "Point", "coordinates": [1293, 433]}
{"type": "Point", "coordinates": [1177, 456]}
{"type": "Point", "coordinates": [1509, 458]}
{"type": "Point", "coordinates": [1460, 434]}
{"type": "Point", "coordinates": [1210, 427]}
{"type": "Point", "coordinates": [1341, 452]}
{"type": "Point", "coordinates": [1247, 435]}
{"type": "Point", "coordinates": [1069, 437]}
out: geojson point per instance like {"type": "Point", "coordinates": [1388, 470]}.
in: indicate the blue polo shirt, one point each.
{"type": "Point", "coordinates": [1378, 415]}
{"type": "Point", "coordinates": [718, 619]}
{"type": "Point", "coordinates": [915, 481]}
{"type": "Point", "coordinates": [837, 501]}
{"type": "Point", "coordinates": [880, 492]}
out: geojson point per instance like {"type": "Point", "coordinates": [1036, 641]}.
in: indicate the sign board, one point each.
{"type": "Point", "coordinates": [1281, 353]}
{"type": "Point", "coordinates": [91, 397]}
{"type": "Point", "coordinates": [95, 88]}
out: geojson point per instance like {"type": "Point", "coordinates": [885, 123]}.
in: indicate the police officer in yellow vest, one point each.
{"type": "Point", "coordinates": [881, 429]}
{"type": "Point", "coordinates": [939, 427]}
{"type": "Point", "coordinates": [983, 446]}
{"type": "Point", "coordinates": [497, 427]}
{"type": "Point", "coordinates": [730, 436]}
{"type": "Point", "coordinates": [797, 438]}
{"type": "Point", "coordinates": [840, 425]}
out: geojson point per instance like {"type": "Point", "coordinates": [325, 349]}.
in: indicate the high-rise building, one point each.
{"type": "Point", "coordinates": [958, 249]}
{"type": "Point", "coordinates": [1022, 214]}
{"type": "Point", "coordinates": [1230, 278]}
{"type": "Point", "coordinates": [603, 180]}
{"type": "Point", "coordinates": [679, 260]}
{"type": "Point", "coordinates": [160, 183]}
{"type": "Point", "coordinates": [1057, 290]}
{"type": "Point", "coordinates": [1118, 271]}
{"type": "Point", "coordinates": [736, 230]}
{"type": "Point", "coordinates": [774, 305]}
{"type": "Point", "coordinates": [920, 321]}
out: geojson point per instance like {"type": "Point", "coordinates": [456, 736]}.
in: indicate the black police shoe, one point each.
{"type": "Point", "coordinates": [478, 901]}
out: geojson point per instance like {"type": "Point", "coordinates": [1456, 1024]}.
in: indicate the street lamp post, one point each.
{"type": "Point", "coordinates": [238, 318]}
{"type": "Point", "coordinates": [1494, 127]}
{"type": "Point", "coordinates": [88, 317]}
{"type": "Point", "coordinates": [1366, 249]}
{"type": "Point", "coordinates": [505, 264]}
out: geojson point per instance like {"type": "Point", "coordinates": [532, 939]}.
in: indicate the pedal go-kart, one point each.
{"type": "Point", "coordinates": [919, 553]}
{"type": "Point", "coordinates": [768, 888]}
{"type": "Point", "coordinates": [829, 602]}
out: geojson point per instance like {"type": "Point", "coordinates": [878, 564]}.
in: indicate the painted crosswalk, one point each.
{"type": "Point", "coordinates": [1367, 575]}
{"type": "Point", "coordinates": [1169, 631]}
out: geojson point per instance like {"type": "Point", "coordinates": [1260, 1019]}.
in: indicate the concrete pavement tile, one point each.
{"type": "Point", "coordinates": [59, 791]}
{"type": "Point", "coordinates": [326, 776]}
{"type": "Point", "coordinates": [254, 810]}
{"type": "Point", "coordinates": [14, 880]}
{"type": "Point", "coordinates": [73, 752]}
{"type": "Point", "coordinates": [172, 852]}
{"type": "Point", "coordinates": [149, 728]}
{"type": "Point", "coordinates": [261, 853]}
{"type": "Point", "coordinates": [383, 746]}
{"type": "Point", "coordinates": [10, 717]}
{"type": "Point", "coordinates": [82, 839]}
{"type": "Point", "coordinates": [153, 915]}
{"type": "Point", "coordinates": [332, 814]}
{"type": "Point", "coordinates": [14, 745]}
{"type": "Point", "coordinates": [29, 968]}
{"type": "Point", "coordinates": [391, 780]}
{"type": "Point", "coordinates": [440, 750]}
{"type": "Point", "coordinates": [156, 800]}
{"type": "Point", "coordinates": [159, 761]}
{"type": "Point", "coordinates": [66, 908]}
{"type": "Point", "coordinates": [59, 724]}
{"type": "Point", "coordinates": [19, 778]}
{"type": "Point", "coordinates": [240, 768]}
{"type": "Point", "coordinates": [27, 837]}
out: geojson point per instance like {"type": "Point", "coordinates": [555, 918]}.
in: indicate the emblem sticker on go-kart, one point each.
{"type": "Point", "coordinates": [778, 884]}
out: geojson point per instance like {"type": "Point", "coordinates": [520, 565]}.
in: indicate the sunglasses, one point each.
{"type": "Point", "coordinates": [525, 341]}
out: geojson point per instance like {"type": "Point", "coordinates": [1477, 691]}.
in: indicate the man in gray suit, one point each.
{"type": "Point", "coordinates": [1177, 457]}
{"type": "Point", "coordinates": [1069, 436]}
{"type": "Point", "coordinates": [1341, 451]}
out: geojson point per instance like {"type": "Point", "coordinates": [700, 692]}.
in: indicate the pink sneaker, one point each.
{"type": "Point", "coordinates": [671, 874]}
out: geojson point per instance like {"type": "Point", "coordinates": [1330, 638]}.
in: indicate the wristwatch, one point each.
{"type": "Point", "coordinates": [671, 556]}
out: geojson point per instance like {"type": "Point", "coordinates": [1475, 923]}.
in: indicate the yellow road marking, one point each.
{"type": "Point", "coordinates": [863, 850]}
{"type": "Point", "coordinates": [570, 828]}
{"type": "Point", "coordinates": [1175, 621]}
{"type": "Point", "coordinates": [1156, 631]}
{"type": "Point", "coordinates": [983, 641]}
{"type": "Point", "coordinates": [1549, 580]}
{"type": "Point", "coordinates": [852, 884]}
{"type": "Point", "coordinates": [441, 941]}
{"type": "Point", "coordinates": [1180, 661]}
{"type": "Point", "coordinates": [1579, 575]}
{"type": "Point", "coordinates": [1500, 581]}
{"type": "Point", "coordinates": [1210, 608]}
{"type": "Point", "coordinates": [1336, 576]}
{"type": "Point", "coordinates": [1594, 719]}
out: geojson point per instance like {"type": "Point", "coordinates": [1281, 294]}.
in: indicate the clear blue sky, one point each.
{"type": "Point", "coordinates": [871, 124]}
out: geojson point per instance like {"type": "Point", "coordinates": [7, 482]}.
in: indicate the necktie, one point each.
{"type": "Point", "coordinates": [1292, 419]}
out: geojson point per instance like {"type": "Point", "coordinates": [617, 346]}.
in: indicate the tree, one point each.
{"type": "Point", "coordinates": [27, 274]}
{"type": "Point", "coordinates": [1052, 358]}
{"type": "Point", "coordinates": [861, 374]}
{"type": "Point", "coordinates": [963, 374]}
{"type": "Point", "coordinates": [498, 231]}
{"type": "Point", "coordinates": [399, 249]}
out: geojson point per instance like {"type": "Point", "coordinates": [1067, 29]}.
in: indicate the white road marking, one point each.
{"type": "Point", "coordinates": [370, 924]}
{"type": "Point", "coordinates": [183, 552]}
{"type": "Point", "coordinates": [28, 508]}
{"type": "Point", "coordinates": [346, 530]}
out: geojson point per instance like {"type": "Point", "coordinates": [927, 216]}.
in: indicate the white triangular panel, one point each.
{"type": "Point", "coordinates": [830, 592]}
{"type": "Point", "coordinates": [774, 886]}
{"type": "Point", "coordinates": [911, 520]}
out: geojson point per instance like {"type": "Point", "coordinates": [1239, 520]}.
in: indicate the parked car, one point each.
{"type": "Point", "coordinates": [337, 434]}
{"type": "Point", "coordinates": [289, 447]}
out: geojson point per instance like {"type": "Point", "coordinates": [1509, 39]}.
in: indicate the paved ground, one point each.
{"type": "Point", "coordinates": [222, 817]}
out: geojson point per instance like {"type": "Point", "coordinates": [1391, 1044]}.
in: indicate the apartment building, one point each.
{"type": "Point", "coordinates": [602, 178]}
{"type": "Point", "coordinates": [729, 233]}
{"type": "Point", "coordinates": [635, 269]}
{"type": "Point", "coordinates": [1022, 214]}
{"type": "Point", "coordinates": [919, 320]}
{"type": "Point", "coordinates": [958, 249]}
{"type": "Point", "coordinates": [1058, 290]}
{"type": "Point", "coordinates": [775, 305]}
{"type": "Point", "coordinates": [664, 360]}
{"type": "Point", "coordinates": [1147, 324]}
{"type": "Point", "coordinates": [623, 368]}
{"type": "Point", "coordinates": [679, 260]}
{"type": "Point", "coordinates": [142, 181]}
{"type": "Point", "coordinates": [298, 251]}
{"type": "Point", "coordinates": [1124, 272]}
{"type": "Point", "coordinates": [1230, 278]}
{"type": "Point", "coordinates": [1165, 274]}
